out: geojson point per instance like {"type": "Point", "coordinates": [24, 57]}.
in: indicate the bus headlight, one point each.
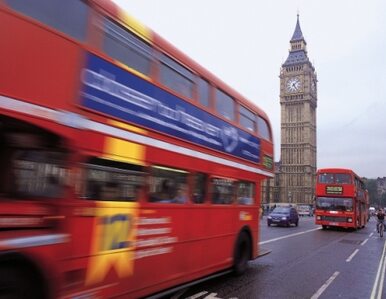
{"type": "Point", "coordinates": [318, 218]}
{"type": "Point", "coordinates": [349, 220]}
{"type": "Point", "coordinates": [283, 218]}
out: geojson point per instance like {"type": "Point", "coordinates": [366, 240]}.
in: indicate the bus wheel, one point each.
{"type": "Point", "coordinates": [16, 283]}
{"type": "Point", "coordinates": [324, 226]}
{"type": "Point", "coordinates": [242, 254]}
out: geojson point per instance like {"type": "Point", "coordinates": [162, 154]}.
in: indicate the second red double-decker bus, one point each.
{"type": "Point", "coordinates": [341, 199]}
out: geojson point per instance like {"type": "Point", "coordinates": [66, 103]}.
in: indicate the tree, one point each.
{"type": "Point", "coordinates": [383, 200]}
{"type": "Point", "coordinates": [371, 186]}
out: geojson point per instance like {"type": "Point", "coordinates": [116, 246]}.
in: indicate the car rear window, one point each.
{"type": "Point", "coordinates": [281, 210]}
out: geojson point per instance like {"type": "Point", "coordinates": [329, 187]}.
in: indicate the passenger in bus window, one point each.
{"type": "Point", "coordinates": [244, 199]}
{"type": "Point", "coordinates": [182, 194]}
{"type": "Point", "coordinates": [111, 191]}
{"type": "Point", "coordinates": [216, 196]}
{"type": "Point", "coordinates": [94, 190]}
{"type": "Point", "coordinates": [165, 194]}
{"type": "Point", "coordinates": [136, 193]}
{"type": "Point", "coordinates": [198, 198]}
{"type": "Point", "coordinates": [52, 187]}
{"type": "Point", "coordinates": [199, 187]}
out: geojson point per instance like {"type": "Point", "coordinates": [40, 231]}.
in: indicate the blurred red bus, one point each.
{"type": "Point", "coordinates": [126, 168]}
{"type": "Point", "coordinates": [341, 199]}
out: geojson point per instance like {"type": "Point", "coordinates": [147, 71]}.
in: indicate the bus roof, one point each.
{"type": "Point", "coordinates": [159, 42]}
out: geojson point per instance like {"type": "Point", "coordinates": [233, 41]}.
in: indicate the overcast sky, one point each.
{"type": "Point", "coordinates": [245, 42]}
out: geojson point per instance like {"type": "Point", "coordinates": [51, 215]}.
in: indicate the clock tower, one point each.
{"type": "Point", "coordinates": [298, 101]}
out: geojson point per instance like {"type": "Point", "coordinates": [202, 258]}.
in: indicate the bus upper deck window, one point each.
{"type": "Point", "coordinates": [69, 17]}
{"type": "Point", "coordinates": [203, 91]}
{"type": "Point", "coordinates": [125, 47]}
{"type": "Point", "coordinates": [263, 128]}
{"type": "Point", "coordinates": [247, 119]}
{"type": "Point", "coordinates": [176, 77]}
{"type": "Point", "coordinates": [225, 105]}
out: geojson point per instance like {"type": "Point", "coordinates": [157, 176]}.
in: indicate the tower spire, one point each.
{"type": "Point", "coordinates": [298, 34]}
{"type": "Point", "coordinates": [298, 51]}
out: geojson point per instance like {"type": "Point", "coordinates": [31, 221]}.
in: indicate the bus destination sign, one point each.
{"type": "Point", "coordinates": [334, 190]}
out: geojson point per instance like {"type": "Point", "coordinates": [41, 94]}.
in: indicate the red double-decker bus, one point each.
{"type": "Point", "coordinates": [126, 168]}
{"type": "Point", "coordinates": [341, 199]}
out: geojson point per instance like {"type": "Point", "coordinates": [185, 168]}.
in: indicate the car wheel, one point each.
{"type": "Point", "coordinates": [268, 224]}
{"type": "Point", "coordinates": [297, 222]}
{"type": "Point", "coordinates": [289, 223]}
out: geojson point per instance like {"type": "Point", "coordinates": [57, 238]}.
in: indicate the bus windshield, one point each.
{"type": "Point", "coordinates": [334, 204]}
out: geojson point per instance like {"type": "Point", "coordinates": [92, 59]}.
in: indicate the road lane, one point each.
{"type": "Point", "coordinates": [380, 279]}
{"type": "Point", "coordinates": [358, 277]}
{"type": "Point", "coordinates": [304, 262]}
{"type": "Point", "coordinates": [288, 236]}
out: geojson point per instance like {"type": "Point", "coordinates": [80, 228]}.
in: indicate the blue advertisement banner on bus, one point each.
{"type": "Point", "coordinates": [118, 93]}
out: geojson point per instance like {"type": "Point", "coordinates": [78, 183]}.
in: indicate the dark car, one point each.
{"type": "Point", "coordinates": [283, 216]}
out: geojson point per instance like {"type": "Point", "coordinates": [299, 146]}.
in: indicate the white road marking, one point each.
{"type": "Point", "coordinates": [376, 293]}
{"type": "Point", "coordinates": [178, 294]}
{"type": "Point", "coordinates": [198, 295]}
{"type": "Point", "coordinates": [364, 242]}
{"type": "Point", "coordinates": [371, 234]}
{"type": "Point", "coordinates": [288, 236]}
{"type": "Point", "coordinates": [325, 286]}
{"type": "Point", "coordinates": [352, 255]}
{"type": "Point", "coordinates": [212, 296]}
{"type": "Point", "coordinates": [381, 282]}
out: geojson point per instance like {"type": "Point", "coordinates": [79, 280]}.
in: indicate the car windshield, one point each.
{"type": "Point", "coordinates": [281, 210]}
{"type": "Point", "coordinates": [333, 203]}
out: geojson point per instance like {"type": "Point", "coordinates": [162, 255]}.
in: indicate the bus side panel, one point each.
{"type": "Point", "coordinates": [197, 226]}
{"type": "Point", "coordinates": [43, 69]}
{"type": "Point", "coordinates": [221, 234]}
{"type": "Point", "coordinates": [161, 252]}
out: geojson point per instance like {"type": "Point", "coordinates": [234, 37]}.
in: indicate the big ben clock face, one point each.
{"type": "Point", "coordinates": [293, 84]}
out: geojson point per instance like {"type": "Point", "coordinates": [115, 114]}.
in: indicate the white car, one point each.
{"type": "Point", "coordinates": [304, 210]}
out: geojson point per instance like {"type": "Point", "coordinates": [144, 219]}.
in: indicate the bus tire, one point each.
{"type": "Point", "coordinates": [17, 283]}
{"type": "Point", "coordinates": [324, 227]}
{"type": "Point", "coordinates": [242, 254]}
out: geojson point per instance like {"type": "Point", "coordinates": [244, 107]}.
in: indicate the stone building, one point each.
{"type": "Point", "coordinates": [295, 175]}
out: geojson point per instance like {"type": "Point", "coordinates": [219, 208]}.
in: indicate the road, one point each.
{"type": "Point", "coordinates": [307, 262]}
